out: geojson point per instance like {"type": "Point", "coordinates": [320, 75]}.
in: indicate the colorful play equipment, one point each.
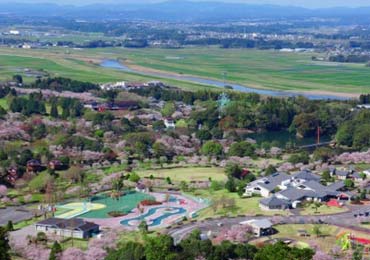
{"type": "Point", "coordinates": [346, 240]}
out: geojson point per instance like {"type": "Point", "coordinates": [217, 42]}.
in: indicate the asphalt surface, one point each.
{"type": "Point", "coordinates": [15, 214]}
{"type": "Point", "coordinates": [345, 220]}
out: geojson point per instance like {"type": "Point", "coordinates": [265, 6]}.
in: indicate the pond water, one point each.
{"type": "Point", "coordinates": [284, 137]}
{"type": "Point", "coordinates": [115, 64]}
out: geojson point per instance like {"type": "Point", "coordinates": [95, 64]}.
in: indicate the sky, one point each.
{"type": "Point", "coordinates": [302, 3]}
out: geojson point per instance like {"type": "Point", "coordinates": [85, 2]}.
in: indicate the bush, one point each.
{"type": "Point", "coordinates": [149, 203]}
{"type": "Point", "coordinates": [116, 213]}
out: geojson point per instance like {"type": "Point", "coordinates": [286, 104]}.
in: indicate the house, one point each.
{"type": "Point", "coordinates": [123, 105]}
{"type": "Point", "coordinates": [367, 172]}
{"type": "Point", "coordinates": [274, 203]}
{"type": "Point", "coordinates": [339, 174]}
{"type": "Point", "coordinates": [55, 165]}
{"type": "Point", "coordinates": [267, 185]}
{"type": "Point", "coordinates": [33, 166]}
{"type": "Point", "coordinates": [141, 187]}
{"type": "Point", "coordinates": [356, 176]}
{"type": "Point", "coordinates": [261, 227]}
{"type": "Point", "coordinates": [155, 83]}
{"type": "Point", "coordinates": [169, 123]}
{"type": "Point", "coordinates": [282, 191]}
{"type": "Point", "coordinates": [75, 227]}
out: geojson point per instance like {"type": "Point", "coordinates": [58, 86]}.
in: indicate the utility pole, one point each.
{"type": "Point", "coordinates": [224, 75]}
{"type": "Point", "coordinates": [318, 135]}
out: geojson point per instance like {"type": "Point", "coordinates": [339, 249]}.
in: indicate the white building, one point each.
{"type": "Point", "coordinates": [75, 227]}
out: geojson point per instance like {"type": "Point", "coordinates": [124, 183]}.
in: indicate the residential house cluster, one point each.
{"type": "Point", "coordinates": [122, 85]}
{"type": "Point", "coordinates": [282, 191]}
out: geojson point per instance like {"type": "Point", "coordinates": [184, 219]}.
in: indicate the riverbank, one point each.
{"type": "Point", "coordinates": [132, 68]}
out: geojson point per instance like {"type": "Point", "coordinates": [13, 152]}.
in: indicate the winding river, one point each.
{"type": "Point", "coordinates": [114, 64]}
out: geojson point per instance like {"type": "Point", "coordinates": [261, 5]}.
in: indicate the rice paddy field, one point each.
{"type": "Point", "coordinates": [254, 68]}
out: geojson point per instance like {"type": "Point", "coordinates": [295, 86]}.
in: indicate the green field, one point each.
{"type": "Point", "coordinates": [322, 210]}
{"type": "Point", "coordinates": [265, 69]}
{"type": "Point", "coordinates": [187, 174]}
{"type": "Point", "coordinates": [255, 68]}
{"type": "Point", "coordinates": [75, 64]}
{"type": "Point", "coordinates": [243, 206]}
{"type": "Point", "coordinates": [4, 103]}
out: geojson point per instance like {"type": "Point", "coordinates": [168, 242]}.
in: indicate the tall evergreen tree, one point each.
{"type": "Point", "coordinates": [55, 250]}
{"type": "Point", "coordinates": [4, 244]}
{"type": "Point", "coordinates": [54, 110]}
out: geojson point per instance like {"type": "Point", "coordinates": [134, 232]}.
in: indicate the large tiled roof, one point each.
{"type": "Point", "coordinates": [274, 202]}
{"type": "Point", "coordinates": [74, 223]}
{"type": "Point", "coordinates": [272, 181]}
{"type": "Point", "coordinates": [293, 194]}
{"type": "Point", "coordinates": [336, 186]}
{"type": "Point", "coordinates": [307, 176]}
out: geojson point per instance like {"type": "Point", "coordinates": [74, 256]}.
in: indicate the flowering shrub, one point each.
{"type": "Point", "coordinates": [149, 203]}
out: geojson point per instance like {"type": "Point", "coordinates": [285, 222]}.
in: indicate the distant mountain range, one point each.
{"type": "Point", "coordinates": [176, 11]}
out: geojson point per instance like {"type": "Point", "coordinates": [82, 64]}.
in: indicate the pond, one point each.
{"type": "Point", "coordinates": [115, 64]}
{"type": "Point", "coordinates": [284, 137]}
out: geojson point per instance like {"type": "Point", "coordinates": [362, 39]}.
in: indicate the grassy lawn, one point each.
{"type": "Point", "coordinates": [4, 103]}
{"type": "Point", "coordinates": [243, 206]}
{"type": "Point", "coordinates": [134, 236]}
{"type": "Point", "coordinates": [323, 210]}
{"type": "Point", "coordinates": [187, 174]}
{"type": "Point", "coordinates": [326, 241]}
{"type": "Point", "coordinates": [26, 223]}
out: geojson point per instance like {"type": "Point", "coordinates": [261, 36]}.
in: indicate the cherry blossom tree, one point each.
{"type": "Point", "coordinates": [3, 190]}
{"type": "Point", "coordinates": [320, 255]}
{"type": "Point", "coordinates": [73, 253]}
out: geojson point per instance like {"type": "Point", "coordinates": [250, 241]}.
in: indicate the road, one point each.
{"type": "Point", "coordinates": [344, 220]}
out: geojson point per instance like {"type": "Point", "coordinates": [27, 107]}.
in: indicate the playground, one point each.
{"type": "Point", "coordinates": [164, 210]}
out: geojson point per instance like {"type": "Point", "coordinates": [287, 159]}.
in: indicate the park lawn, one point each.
{"type": "Point", "coordinates": [322, 210]}
{"type": "Point", "coordinates": [134, 236]}
{"type": "Point", "coordinates": [243, 206]}
{"type": "Point", "coordinates": [187, 174]}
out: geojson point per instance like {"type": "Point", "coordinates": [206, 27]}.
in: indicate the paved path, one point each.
{"type": "Point", "coordinates": [344, 220]}
{"type": "Point", "coordinates": [15, 214]}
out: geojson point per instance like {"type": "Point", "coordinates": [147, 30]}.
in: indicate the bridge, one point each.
{"type": "Point", "coordinates": [313, 146]}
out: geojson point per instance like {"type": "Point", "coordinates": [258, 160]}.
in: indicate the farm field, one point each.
{"type": "Point", "coordinates": [74, 64]}
{"type": "Point", "coordinates": [258, 69]}
{"type": "Point", "coordinates": [254, 68]}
